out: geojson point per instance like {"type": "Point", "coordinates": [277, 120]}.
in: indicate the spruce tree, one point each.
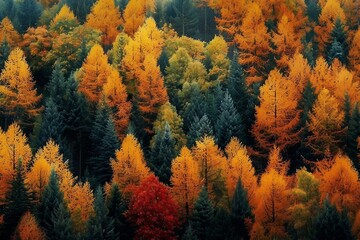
{"type": "Point", "coordinates": [100, 225]}
{"type": "Point", "coordinates": [338, 46]}
{"type": "Point", "coordinates": [4, 53]}
{"type": "Point", "coordinates": [189, 233]}
{"type": "Point", "coordinates": [183, 17]}
{"type": "Point", "coordinates": [220, 225]}
{"type": "Point", "coordinates": [240, 213]}
{"type": "Point", "coordinates": [28, 13]}
{"type": "Point", "coordinates": [198, 129]}
{"type": "Point", "coordinates": [330, 224]}
{"type": "Point", "coordinates": [229, 123]}
{"type": "Point", "coordinates": [17, 201]}
{"type": "Point", "coordinates": [347, 110]}
{"type": "Point", "coordinates": [203, 215]}
{"type": "Point", "coordinates": [81, 8]}
{"type": "Point", "coordinates": [117, 207]}
{"type": "Point", "coordinates": [162, 154]}
{"type": "Point", "coordinates": [63, 225]}
{"type": "Point", "coordinates": [352, 135]}
{"type": "Point", "coordinates": [313, 10]}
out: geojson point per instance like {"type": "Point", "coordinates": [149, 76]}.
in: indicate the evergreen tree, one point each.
{"type": "Point", "coordinates": [100, 226]}
{"type": "Point", "coordinates": [183, 17]}
{"type": "Point", "coordinates": [198, 129]}
{"type": "Point", "coordinates": [203, 215]}
{"type": "Point", "coordinates": [353, 133]}
{"type": "Point", "coordinates": [117, 207]}
{"type": "Point", "coordinates": [313, 10]}
{"type": "Point", "coordinates": [240, 213]}
{"type": "Point", "coordinates": [17, 202]}
{"type": "Point", "coordinates": [49, 206]}
{"type": "Point", "coordinates": [213, 101]}
{"type": "Point", "coordinates": [81, 8]}
{"type": "Point", "coordinates": [347, 110]}
{"type": "Point", "coordinates": [4, 53]}
{"type": "Point", "coordinates": [189, 233]}
{"type": "Point", "coordinates": [229, 123]}
{"type": "Point", "coordinates": [330, 224]}
{"type": "Point", "coordinates": [338, 46]}
{"type": "Point", "coordinates": [8, 9]}
{"type": "Point", "coordinates": [220, 225]}
{"type": "Point", "coordinates": [29, 12]}
{"type": "Point", "coordinates": [162, 154]}
{"type": "Point", "coordinates": [104, 144]}
{"type": "Point", "coordinates": [62, 228]}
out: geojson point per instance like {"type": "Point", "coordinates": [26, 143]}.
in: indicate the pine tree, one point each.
{"type": "Point", "coordinates": [189, 233]}
{"type": "Point", "coordinates": [347, 110]}
{"type": "Point", "coordinates": [100, 226]}
{"type": "Point", "coordinates": [28, 13]}
{"type": "Point", "coordinates": [62, 223]}
{"type": "Point", "coordinates": [183, 17]}
{"type": "Point", "coordinates": [353, 133]}
{"type": "Point", "coordinates": [313, 10]}
{"type": "Point", "coordinates": [4, 53]}
{"type": "Point", "coordinates": [202, 216]}
{"type": "Point", "coordinates": [241, 213]}
{"type": "Point", "coordinates": [81, 8]}
{"type": "Point", "coordinates": [330, 224]}
{"type": "Point", "coordinates": [338, 47]}
{"type": "Point", "coordinates": [220, 224]}
{"type": "Point", "coordinates": [17, 201]}
{"type": "Point", "coordinates": [229, 122]}
{"type": "Point", "coordinates": [162, 154]}
{"type": "Point", "coordinates": [198, 129]}
{"type": "Point", "coordinates": [117, 208]}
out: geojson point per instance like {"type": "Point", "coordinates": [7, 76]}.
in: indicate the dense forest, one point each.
{"type": "Point", "coordinates": [179, 119]}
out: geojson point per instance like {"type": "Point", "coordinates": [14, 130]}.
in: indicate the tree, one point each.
{"type": "Point", "coordinates": [162, 153]}
{"type": "Point", "coordinates": [19, 97]}
{"type": "Point", "coordinates": [183, 17]}
{"type": "Point", "coordinates": [153, 211]}
{"type": "Point", "coordinates": [331, 224]}
{"type": "Point", "coordinates": [185, 181]}
{"type": "Point", "coordinates": [28, 13]}
{"type": "Point", "coordinates": [277, 116]}
{"type": "Point", "coordinates": [81, 8]}
{"type": "Point", "coordinates": [64, 22]}
{"type": "Point", "coordinates": [4, 53]}
{"type": "Point", "coordinates": [253, 41]}
{"type": "Point", "coordinates": [62, 228]}
{"type": "Point", "coordinates": [116, 98]}
{"type": "Point", "coordinates": [100, 225]}
{"type": "Point", "coordinates": [241, 169]}
{"type": "Point", "coordinates": [299, 72]}
{"type": "Point", "coordinates": [229, 122]}
{"type": "Point", "coordinates": [28, 228]}
{"type": "Point", "coordinates": [105, 17]}
{"type": "Point", "coordinates": [212, 166]}
{"type": "Point", "coordinates": [17, 201]}
{"type": "Point", "coordinates": [338, 46]}
{"type": "Point", "coordinates": [354, 59]}
{"type": "Point", "coordinates": [129, 167]}
{"type": "Point", "coordinates": [325, 124]}
{"type": "Point", "coordinates": [117, 53]}
{"type": "Point", "coordinates": [117, 207]}
{"type": "Point", "coordinates": [93, 74]}
{"type": "Point", "coordinates": [220, 224]}
{"type": "Point", "coordinates": [353, 132]}
{"type": "Point", "coordinates": [8, 32]}
{"type": "Point", "coordinates": [38, 176]}
{"type": "Point", "coordinates": [202, 216]}
{"type": "Point", "coordinates": [241, 213]}
{"type": "Point", "coordinates": [272, 203]}
{"type": "Point", "coordinates": [199, 128]}
{"type": "Point", "coordinates": [135, 13]}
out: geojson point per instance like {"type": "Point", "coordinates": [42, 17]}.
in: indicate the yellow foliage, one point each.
{"type": "Point", "coordinates": [8, 33]}
{"type": "Point", "coordinates": [38, 176]}
{"type": "Point", "coordinates": [65, 14]}
{"type": "Point", "coordinates": [28, 228]}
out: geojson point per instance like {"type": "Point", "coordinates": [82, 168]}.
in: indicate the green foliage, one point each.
{"type": "Point", "coordinates": [4, 53]}
{"type": "Point", "coordinates": [62, 223]}
{"type": "Point", "coordinates": [183, 17]}
{"type": "Point", "coordinates": [338, 46]}
{"type": "Point", "coordinates": [198, 129]}
{"type": "Point", "coordinates": [352, 134]}
{"type": "Point", "coordinates": [28, 13]}
{"type": "Point", "coordinates": [81, 8]}
{"type": "Point", "coordinates": [220, 224]}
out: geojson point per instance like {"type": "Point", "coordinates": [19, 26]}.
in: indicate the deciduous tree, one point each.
{"type": "Point", "coordinates": [28, 228]}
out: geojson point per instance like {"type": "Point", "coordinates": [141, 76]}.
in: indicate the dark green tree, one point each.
{"type": "Point", "coordinates": [4, 53]}
{"type": "Point", "coordinates": [202, 216]}
{"type": "Point", "coordinates": [352, 134]}
{"type": "Point", "coordinates": [229, 123]}
{"type": "Point", "coordinates": [63, 225]}
{"type": "Point", "coordinates": [162, 154]}
{"type": "Point", "coordinates": [183, 17]}
{"type": "Point", "coordinates": [240, 213]}
{"type": "Point", "coordinates": [117, 207]}
{"type": "Point", "coordinates": [330, 224]}
{"type": "Point", "coordinates": [220, 225]}
{"type": "Point", "coordinates": [338, 47]}
{"type": "Point", "coordinates": [198, 129]}
{"type": "Point", "coordinates": [28, 13]}
{"type": "Point", "coordinates": [17, 202]}
{"type": "Point", "coordinates": [189, 233]}
{"type": "Point", "coordinates": [8, 9]}
{"type": "Point", "coordinates": [100, 225]}
{"type": "Point", "coordinates": [81, 8]}
{"type": "Point", "coordinates": [347, 110]}
{"type": "Point", "coordinates": [313, 10]}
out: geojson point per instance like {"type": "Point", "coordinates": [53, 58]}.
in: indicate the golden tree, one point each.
{"type": "Point", "coordinates": [185, 181]}
{"type": "Point", "coordinates": [28, 228]}
{"type": "Point", "coordinates": [94, 73]}
{"type": "Point", "coordinates": [277, 116]}
{"type": "Point", "coordinates": [217, 51]}
{"type": "Point", "coordinates": [116, 98]}
{"type": "Point", "coordinates": [135, 14]}
{"type": "Point", "coordinates": [18, 95]}
{"type": "Point", "coordinates": [129, 166]}
{"type": "Point", "coordinates": [8, 33]}
{"type": "Point", "coordinates": [253, 43]}
{"type": "Point", "coordinates": [64, 22]}
{"type": "Point", "coordinates": [105, 17]}
{"type": "Point", "coordinates": [299, 72]}
{"type": "Point", "coordinates": [354, 55]}
{"type": "Point", "coordinates": [38, 176]}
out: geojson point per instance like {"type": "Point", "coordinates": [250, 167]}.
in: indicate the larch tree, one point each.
{"type": "Point", "coordinates": [185, 181]}
{"type": "Point", "coordinates": [19, 95]}
{"type": "Point", "coordinates": [94, 73]}
{"type": "Point", "coordinates": [354, 55]}
{"type": "Point", "coordinates": [277, 116]}
{"type": "Point", "coordinates": [38, 176]}
{"type": "Point", "coordinates": [153, 211]}
{"type": "Point", "coordinates": [135, 14]}
{"type": "Point", "coordinates": [299, 72]}
{"type": "Point", "coordinates": [129, 166]}
{"type": "Point", "coordinates": [64, 22]}
{"type": "Point", "coordinates": [253, 41]}
{"type": "Point", "coordinates": [8, 33]}
{"type": "Point", "coordinates": [116, 98]}
{"type": "Point", "coordinates": [105, 17]}
{"type": "Point", "coordinates": [28, 228]}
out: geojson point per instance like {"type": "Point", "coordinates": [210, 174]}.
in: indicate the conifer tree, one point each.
{"type": "Point", "coordinates": [220, 224]}
{"type": "Point", "coordinates": [4, 53]}
{"type": "Point", "coordinates": [62, 228]}
{"type": "Point", "coordinates": [28, 13]}
{"type": "Point", "coordinates": [100, 225]}
{"type": "Point", "coordinates": [162, 154]}
{"type": "Point", "coordinates": [353, 133]}
{"type": "Point", "coordinates": [202, 216]}
{"type": "Point", "coordinates": [338, 47]}
{"type": "Point", "coordinates": [196, 105]}
{"type": "Point", "coordinates": [198, 129]}
{"type": "Point", "coordinates": [189, 233]}
{"type": "Point", "coordinates": [183, 17]}
{"type": "Point", "coordinates": [17, 201]}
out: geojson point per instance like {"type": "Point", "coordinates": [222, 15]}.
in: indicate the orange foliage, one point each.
{"type": "Point", "coordinates": [277, 116]}
{"type": "Point", "coordinates": [38, 176]}
{"type": "Point", "coordinates": [8, 32]}
{"type": "Point", "coordinates": [185, 181]}
{"type": "Point", "coordinates": [129, 166]}
{"type": "Point", "coordinates": [94, 73]}
{"type": "Point", "coordinates": [299, 72]}
{"type": "Point", "coordinates": [28, 228]}
{"type": "Point", "coordinates": [354, 55]}
{"type": "Point", "coordinates": [37, 42]}
{"type": "Point", "coordinates": [135, 13]}
{"type": "Point", "coordinates": [253, 43]}
{"type": "Point", "coordinates": [276, 162]}
{"type": "Point", "coordinates": [105, 17]}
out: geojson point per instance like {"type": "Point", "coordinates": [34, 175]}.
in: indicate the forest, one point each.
{"type": "Point", "coordinates": [179, 119]}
